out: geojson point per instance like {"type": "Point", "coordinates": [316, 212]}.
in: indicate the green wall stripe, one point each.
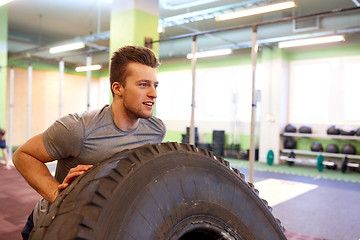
{"type": "Point", "coordinates": [305, 143]}
{"type": "Point", "coordinates": [54, 68]}
{"type": "Point", "coordinates": [342, 51]}
{"type": "Point", "coordinates": [225, 61]}
{"type": "Point", "coordinates": [264, 55]}
{"type": "Point", "coordinates": [243, 140]}
{"type": "Point", "coordinates": [272, 54]}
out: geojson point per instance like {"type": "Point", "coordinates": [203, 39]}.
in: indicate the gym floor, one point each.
{"type": "Point", "coordinates": [309, 207]}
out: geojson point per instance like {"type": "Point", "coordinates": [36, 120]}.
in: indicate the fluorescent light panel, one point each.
{"type": "Point", "coordinates": [160, 29]}
{"type": "Point", "coordinates": [67, 47]}
{"type": "Point", "coordinates": [311, 41]}
{"type": "Point", "coordinates": [212, 53]}
{"type": "Point", "coordinates": [356, 2]}
{"type": "Point", "coordinates": [3, 2]}
{"type": "Point", "coordinates": [88, 68]}
{"type": "Point", "coordinates": [255, 11]}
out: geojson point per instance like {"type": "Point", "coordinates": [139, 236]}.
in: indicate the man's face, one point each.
{"type": "Point", "coordinates": [139, 93]}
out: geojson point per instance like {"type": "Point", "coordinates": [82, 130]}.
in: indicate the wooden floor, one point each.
{"type": "Point", "coordinates": [17, 200]}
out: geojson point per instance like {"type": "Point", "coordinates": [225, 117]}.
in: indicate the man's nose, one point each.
{"type": "Point", "coordinates": [152, 92]}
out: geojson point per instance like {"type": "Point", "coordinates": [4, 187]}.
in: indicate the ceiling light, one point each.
{"type": "Point", "coordinates": [3, 2]}
{"type": "Point", "coordinates": [257, 10]}
{"type": "Point", "coordinates": [160, 29]}
{"type": "Point", "coordinates": [212, 53]}
{"type": "Point", "coordinates": [311, 41]}
{"type": "Point", "coordinates": [356, 2]}
{"type": "Point", "coordinates": [67, 47]}
{"type": "Point", "coordinates": [88, 68]}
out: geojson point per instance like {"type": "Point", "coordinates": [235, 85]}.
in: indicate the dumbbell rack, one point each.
{"type": "Point", "coordinates": [319, 161]}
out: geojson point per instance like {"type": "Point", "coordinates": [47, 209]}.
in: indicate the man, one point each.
{"type": "Point", "coordinates": [79, 141]}
{"type": "Point", "coordinates": [3, 149]}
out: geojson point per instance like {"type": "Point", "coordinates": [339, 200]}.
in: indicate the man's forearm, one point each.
{"type": "Point", "coordinates": [43, 182]}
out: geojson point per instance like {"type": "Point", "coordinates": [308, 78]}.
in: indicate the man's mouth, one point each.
{"type": "Point", "coordinates": [149, 103]}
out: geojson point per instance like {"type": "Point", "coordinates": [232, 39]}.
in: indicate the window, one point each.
{"type": "Point", "coordinates": [351, 91]}
{"type": "Point", "coordinates": [174, 95]}
{"type": "Point", "coordinates": [309, 92]}
{"type": "Point", "coordinates": [325, 91]}
{"type": "Point", "coordinates": [222, 94]}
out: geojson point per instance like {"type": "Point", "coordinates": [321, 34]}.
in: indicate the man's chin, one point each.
{"type": "Point", "coordinates": [146, 115]}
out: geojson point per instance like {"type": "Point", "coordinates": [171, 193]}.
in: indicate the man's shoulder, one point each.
{"type": "Point", "coordinates": [98, 113]}
{"type": "Point", "coordinates": [154, 123]}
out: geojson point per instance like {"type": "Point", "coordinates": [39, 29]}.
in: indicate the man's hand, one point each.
{"type": "Point", "coordinates": [71, 176]}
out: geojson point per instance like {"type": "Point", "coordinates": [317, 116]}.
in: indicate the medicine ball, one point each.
{"type": "Point", "coordinates": [347, 131]}
{"type": "Point", "coordinates": [332, 148]}
{"type": "Point", "coordinates": [290, 128]}
{"type": "Point", "coordinates": [348, 149]}
{"type": "Point", "coordinates": [357, 133]}
{"type": "Point", "coordinates": [289, 143]}
{"type": "Point", "coordinates": [333, 130]}
{"type": "Point", "coordinates": [305, 129]}
{"type": "Point", "coordinates": [316, 147]}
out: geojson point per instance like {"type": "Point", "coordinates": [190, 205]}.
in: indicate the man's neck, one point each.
{"type": "Point", "coordinates": [122, 119]}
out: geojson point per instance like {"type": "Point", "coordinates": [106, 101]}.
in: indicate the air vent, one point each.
{"type": "Point", "coordinates": [306, 24]}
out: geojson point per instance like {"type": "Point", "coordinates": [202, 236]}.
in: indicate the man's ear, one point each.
{"type": "Point", "coordinates": [117, 88]}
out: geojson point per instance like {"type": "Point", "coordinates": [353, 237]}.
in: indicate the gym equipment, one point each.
{"type": "Point", "coordinates": [332, 148]}
{"type": "Point", "coordinates": [347, 131]}
{"type": "Point", "coordinates": [357, 133]}
{"type": "Point", "coordinates": [333, 130]}
{"type": "Point", "coordinates": [348, 149]}
{"type": "Point", "coordinates": [346, 164]}
{"type": "Point", "coordinates": [160, 191]}
{"type": "Point", "coordinates": [291, 156]}
{"type": "Point", "coordinates": [289, 143]}
{"type": "Point", "coordinates": [270, 157]}
{"type": "Point", "coordinates": [320, 163]}
{"type": "Point", "coordinates": [305, 129]}
{"type": "Point", "coordinates": [316, 147]}
{"type": "Point", "coordinates": [290, 128]}
{"type": "Point", "coordinates": [185, 137]}
{"type": "Point", "coordinates": [218, 143]}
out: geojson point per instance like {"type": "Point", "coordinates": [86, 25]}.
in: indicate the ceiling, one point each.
{"type": "Point", "coordinates": [36, 25]}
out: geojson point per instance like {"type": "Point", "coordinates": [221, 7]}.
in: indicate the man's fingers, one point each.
{"type": "Point", "coordinates": [72, 175]}
{"type": "Point", "coordinates": [80, 168]}
{"type": "Point", "coordinates": [62, 186]}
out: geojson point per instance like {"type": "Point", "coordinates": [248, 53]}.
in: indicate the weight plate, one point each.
{"type": "Point", "coordinates": [291, 155]}
{"type": "Point", "coordinates": [270, 157]}
{"type": "Point", "coordinates": [344, 165]}
{"type": "Point", "coordinates": [319, 164]}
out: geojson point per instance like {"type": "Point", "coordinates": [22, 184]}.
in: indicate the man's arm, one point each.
{"type": "Point", "coordinates": [30, 161]}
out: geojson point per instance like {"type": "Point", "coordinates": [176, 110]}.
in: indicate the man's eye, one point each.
{"type": "Point", "coordinates": [143, 84]}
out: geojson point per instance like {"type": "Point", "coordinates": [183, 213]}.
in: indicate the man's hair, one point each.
{"type": "Point", "coordinates": [2, 132]}
{"type": "Point", "coordinates": [128, 54]}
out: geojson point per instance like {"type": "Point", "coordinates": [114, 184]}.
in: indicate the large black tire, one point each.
{"type": "Point", "coordinates": [160, 191]}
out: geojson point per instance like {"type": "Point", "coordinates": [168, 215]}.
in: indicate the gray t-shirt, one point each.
{"type": "Point", "coordinates": [90, 138]}
{"type": "Point", "coordinates": [93, 136]}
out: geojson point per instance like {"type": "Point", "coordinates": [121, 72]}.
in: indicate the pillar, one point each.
{"type": "Point", "coordinates": [274, 103]}
{"type": "Point", "coordinates": [3, 62]}
{"type": "Point", "coordinates": [132, 21]}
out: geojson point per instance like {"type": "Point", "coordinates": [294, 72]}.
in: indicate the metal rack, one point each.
{"type": "Point", "coordinates": [319, 161]}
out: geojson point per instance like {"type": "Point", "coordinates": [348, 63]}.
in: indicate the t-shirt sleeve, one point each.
{"type": "Point", "coordinates": [159, 127]}
{"type": "Point", "coordinates": [64, 138]}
